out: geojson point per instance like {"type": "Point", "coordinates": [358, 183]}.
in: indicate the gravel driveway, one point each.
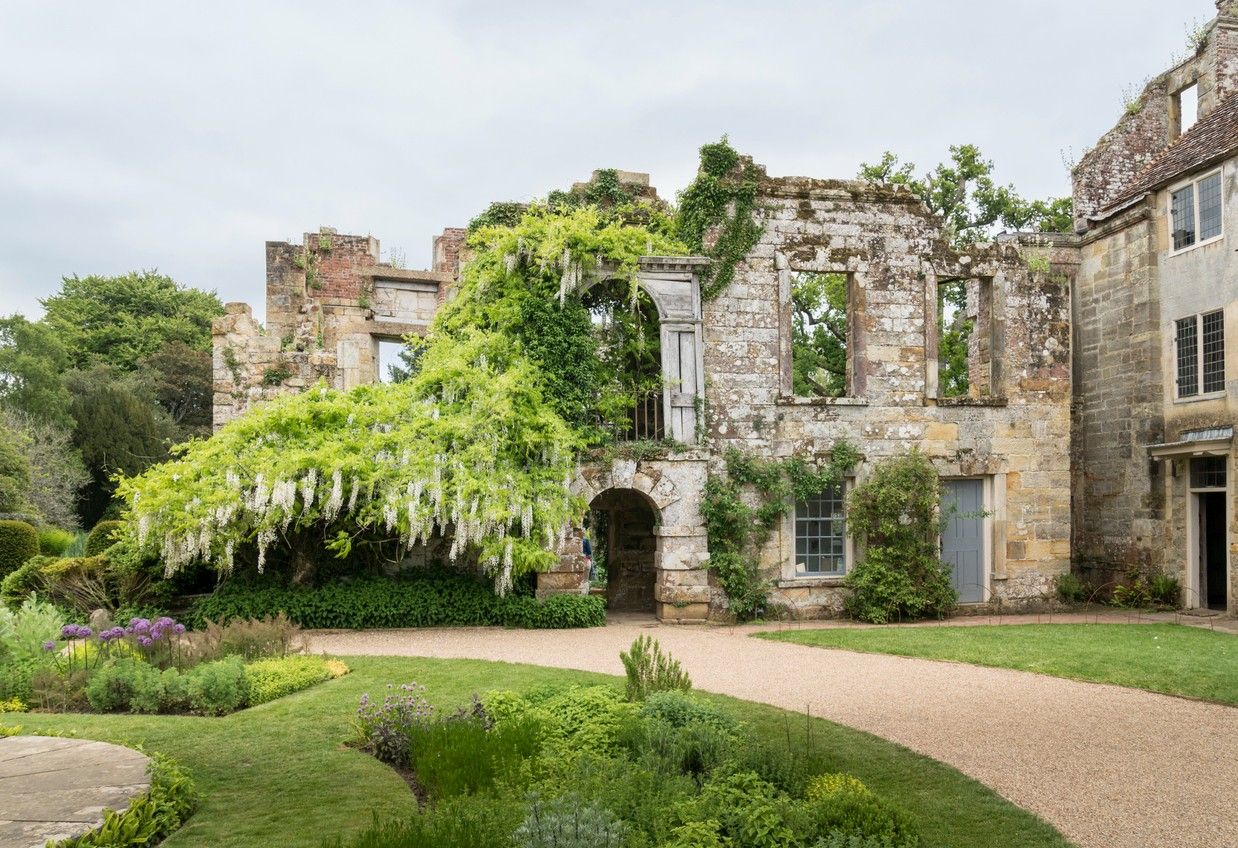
{"type": "Point", "coordinates": [1109, 767]}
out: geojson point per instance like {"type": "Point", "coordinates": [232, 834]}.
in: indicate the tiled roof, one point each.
{"type": "Point", "coordinates": [1213, 137]}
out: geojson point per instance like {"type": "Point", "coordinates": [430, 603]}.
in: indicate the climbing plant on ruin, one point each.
{"type": "Point", "coordinates": [743, 503]}
{"type": "Point", "coordinates": [717, 214]}
{"type": "Point", "coordinates": [478, 444]}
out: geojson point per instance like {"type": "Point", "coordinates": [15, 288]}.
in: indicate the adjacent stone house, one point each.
{"type": "Point", "coordinates": [1155, 295]}
{"type": "Point", "coordinates": [1092, 418]}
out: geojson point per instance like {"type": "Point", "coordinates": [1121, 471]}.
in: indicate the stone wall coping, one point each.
{"type": "Point", "coordinates": [973, 401]}
{"type": "Point", "coordinates": [795, 400]}
{"type": "Point", "coordinates": [386, 272]}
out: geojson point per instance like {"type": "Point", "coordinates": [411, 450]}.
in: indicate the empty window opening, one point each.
{"type": "Point", "coordinates": [820, 330]}
{"type": "Point", "coordinates": [1199, 342]}
{"type": "Point", "coordinates": [394, 363]}
{"type": "Point", "coordinates": [954, 332]}
{"type": "Point", "coordinates": [821, 534]}
{"type": "Point", "coordinates": [968, 339]}
{"type": "Point", "coordinates": [628, 390]}
{"type": "Point", "coordinates": [1188, 107]}
{"type": "Point", "coordinates": [1195, 212]}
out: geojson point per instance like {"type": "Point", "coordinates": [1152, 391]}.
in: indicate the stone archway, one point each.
{"type": "Point", "coordinates": [623, 538]}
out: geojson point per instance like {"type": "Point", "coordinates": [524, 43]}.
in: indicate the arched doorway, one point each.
{"type": "Point", "coordinates": [621, 531]}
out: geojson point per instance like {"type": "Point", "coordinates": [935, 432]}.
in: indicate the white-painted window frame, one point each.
{"type": "Point", "coordinates": [1193, 183]}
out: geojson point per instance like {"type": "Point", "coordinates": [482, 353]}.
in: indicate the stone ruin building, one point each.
{"type": "Point", "coordinates": [1096, 422]}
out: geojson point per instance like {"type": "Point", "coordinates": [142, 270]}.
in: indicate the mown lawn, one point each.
{"type": "Point", "coordinates": [1169, 658]}
{"type": "Point", "coordinates": [279, 774]}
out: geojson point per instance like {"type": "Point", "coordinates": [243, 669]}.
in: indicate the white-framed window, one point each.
{"type": "Point", "coordinates": [821, 534]}
{"type": "Point", "coordinates": [1199, 345]}
{"type": "Point", "coordinates": [1195, 212]}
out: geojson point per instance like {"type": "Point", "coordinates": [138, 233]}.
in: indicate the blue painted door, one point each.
{"type": "Point", "coordinates": [962, 539]}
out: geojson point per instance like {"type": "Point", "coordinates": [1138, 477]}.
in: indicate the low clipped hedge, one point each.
{"type": "Point", "coordinates": [102, 536]}
{"type": "Point", "coordinates": [438, 600]}
{"type": "Point", "coordinates": [19, 541]}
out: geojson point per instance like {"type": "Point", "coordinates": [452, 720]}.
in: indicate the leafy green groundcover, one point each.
{"type": "Point", "coordinates": [1168, 658]}
{"type": "Point", "coordinates": [431, 601]}
{"type": "Point", "coordinates": [278, 774]}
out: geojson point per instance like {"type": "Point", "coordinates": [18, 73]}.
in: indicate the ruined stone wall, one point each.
{"type": "Point", "coordinates": [329, 301]}
{"type": "Point", "coordinates": [1017, 439]}
{"type": "Point", "coordinates": [1152, 121]}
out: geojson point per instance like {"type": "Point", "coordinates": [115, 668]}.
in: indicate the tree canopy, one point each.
{"type": "Point", "coordinates": [118, 321]}
{"type": "Point", "coordinates": [32, 360]}
{"type": "Point", "coordinates": [963, 192]}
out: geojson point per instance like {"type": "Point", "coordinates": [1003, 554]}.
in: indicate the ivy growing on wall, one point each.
{"type": "Point", "coordinates": [716, 214]}
{"type": "Point", "coordinates": [742, 505]}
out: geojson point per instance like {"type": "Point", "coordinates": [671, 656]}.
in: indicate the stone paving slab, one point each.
{"type": "Point", "coordinates": [56, 788]}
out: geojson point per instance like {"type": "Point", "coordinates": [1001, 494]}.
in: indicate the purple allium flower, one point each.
{"type": "Point", "coordinates": [139, 625]}
{"type": "Point", "coordinates": [164, 621]}
{"type": "Point", "coordinates": [145, 641]}
{"type": "Point", "coordinates": [69, 631]}
{"type": "Point", "coordinates": [111, 634]}
{"type": "Point", "coordinates": [179, 628]}
{"type": "Point", "coordinates": [49, 645]}
{"type": "Point", "coordinates": [84, 632]}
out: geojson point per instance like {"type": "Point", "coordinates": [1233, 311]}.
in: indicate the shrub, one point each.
{"type": "Point", "coordinates": [841, 804]}
{"type": "Point", "coordinates": [1142, 592]}
{"type": "Point", "coordinates": [568, 822]}
{"type": "Point", "coordinates": [217, 688]}
{"type": "Point", "coordinates": [680, 710]}
{"type": "Point", "coordinates": [54, 542]}
{"type": "Point", "coordinates": [25, 632]}
{"type": "Point", "coordinates": [749, 811]}
{"type": "Point", "coordinates": [23, 580]}
{"type": "Point", "coordinates": [649, 670]}
{"type": "Point", "coordinates": [385, 728]}
{"type": "Point", "coordinates": [80, 582]}
{"type": "Point", "coordinates": [165, 806]}
{"type": "Point", "coordinates": [12, 705]}
{"type": "Point", "coordinates": [102, 536]}
{"type": "Point", "coordinates": [896, 513]}
{"type": "Point", "coordinates": [464, 754]}
{"type": "Point", "coordinates": [274, 678]}
{"type": "Point", "coordinates": [19, 541]}
{"type": "Point", "coordinates": [1070, 587]}
{"type": "Point", "coordinates": [437, 599]}
{"type": "Point", "coordinates": [125, 684]}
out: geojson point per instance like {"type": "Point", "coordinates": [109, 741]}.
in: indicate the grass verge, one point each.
{"type": "Point", "coordinates": [279, 774]}
{"type": "Point", "coordinates": [1169, 658]}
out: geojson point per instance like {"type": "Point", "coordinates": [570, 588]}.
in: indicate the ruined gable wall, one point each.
{"type": "Point", "coordinates": [329, 302]}
{"type": "Point", "coordinates": [1151, 123]}
{"type": "Point", "coordinates": [892, 248]}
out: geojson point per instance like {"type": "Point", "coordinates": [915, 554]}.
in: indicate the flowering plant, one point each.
{"type": "Point", "coordinates": [385, 727]}
{"type": "Point", "coordinates": [155, 642]}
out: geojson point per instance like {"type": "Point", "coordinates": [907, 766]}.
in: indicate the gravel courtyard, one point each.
{"type": "Point", "coordinates": [1109, 767]}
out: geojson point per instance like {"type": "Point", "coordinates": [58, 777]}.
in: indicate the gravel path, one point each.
{"type": "Point", "coordinates": [1109, 767]}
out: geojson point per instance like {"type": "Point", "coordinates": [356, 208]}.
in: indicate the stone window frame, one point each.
{"type": "Point", "coordinates": [855, 339]}
{"type": "Point", "coordinates": [1193, 183]}
{"type": "Point", "coordinates": [1197, 321]}
{"type": "Point", "coordinates": [789, 576]}
{"type": "Point", "coordinates": [990, 311]}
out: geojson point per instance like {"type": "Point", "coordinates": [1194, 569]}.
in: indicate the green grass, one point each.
{"type": "Point", "coordinates": [279, 774]}
{"type": "Point", "coordinates": [1169, 658]}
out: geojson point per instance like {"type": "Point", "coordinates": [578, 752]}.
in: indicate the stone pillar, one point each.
{"type": "Point", "coordinates": [570, 576]}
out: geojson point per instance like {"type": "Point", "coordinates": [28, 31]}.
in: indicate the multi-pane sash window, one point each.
{"type": "Point", "coordinates": [1200, 343]}
{"type": "Point", "coordinates": [1195, 212]}
{"type": "Point", "coordinates": [821, 534]}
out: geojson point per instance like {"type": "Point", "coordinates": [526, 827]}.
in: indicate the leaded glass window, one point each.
{"type": "Point", "coordinates": [1188, 357]}
{"type": "Point", "coordinates": [1213, 338]}
{"type": "Point", "coordinates": [821, 534]}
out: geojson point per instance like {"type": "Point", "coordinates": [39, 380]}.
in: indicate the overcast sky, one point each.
{"type": "Point", "coordinates": [182, 136]}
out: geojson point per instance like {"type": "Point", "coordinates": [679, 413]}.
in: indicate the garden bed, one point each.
{"type": "Point", "coordinates": [291, 749]}
{"type": "Point", "coordinates": [147, 666]}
